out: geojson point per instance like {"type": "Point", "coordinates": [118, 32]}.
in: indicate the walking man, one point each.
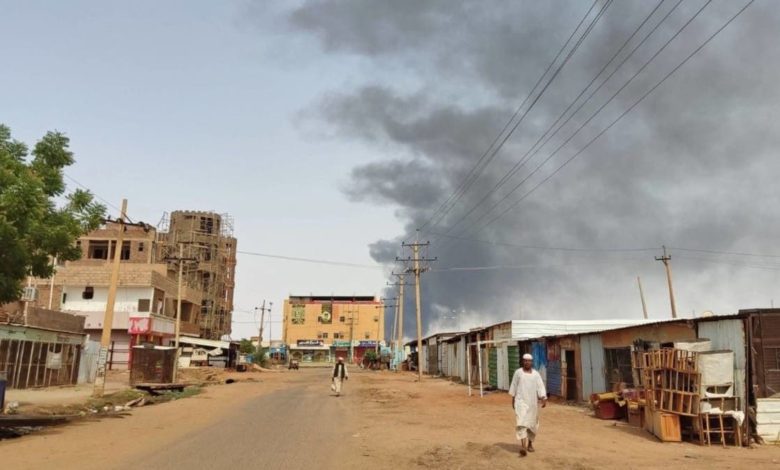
{"type": "Point", "coordinates": [527, 391]}
{"type": "Point", "coordinates": [340, 374]}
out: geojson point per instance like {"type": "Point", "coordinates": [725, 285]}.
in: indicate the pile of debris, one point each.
{"type": "Point", "coordinates": [685, 391]}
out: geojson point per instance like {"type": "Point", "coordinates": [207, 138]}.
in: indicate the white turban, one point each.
{"type": "Point", "coordinates": [528, 357]}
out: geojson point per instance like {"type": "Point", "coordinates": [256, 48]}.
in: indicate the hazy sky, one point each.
{"type": "Point", "coordinates": [332, 129]}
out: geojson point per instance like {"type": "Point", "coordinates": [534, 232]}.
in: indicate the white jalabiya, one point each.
{"type": "Point", "coordinates": [527, 388]}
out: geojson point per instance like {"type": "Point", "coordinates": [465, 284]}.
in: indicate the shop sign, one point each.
{"type": "Point", "coordinates": [139, 326]}
{"type": "Point", "coordinates": [367, 344]}
{"type": "Point", "coordinates": [309, 342]}
{"type": "Point", "coordinates": [341, 344]}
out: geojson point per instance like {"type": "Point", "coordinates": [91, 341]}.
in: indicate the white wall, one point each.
{"type": "Point", "coordinates": [126, 299]}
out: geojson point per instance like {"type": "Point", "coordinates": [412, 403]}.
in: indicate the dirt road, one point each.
{"type": "Point", "coordinates": [288, 420]}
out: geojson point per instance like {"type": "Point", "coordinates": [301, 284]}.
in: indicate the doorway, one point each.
{"type": "Point", "coordinates": [571, 375]}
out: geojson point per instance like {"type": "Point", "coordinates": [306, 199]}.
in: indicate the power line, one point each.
{"type": "Point", "coordinates": [97, 196]}
{"type": "Point", "coordinates": [311, 260]}
{"type": "Point", "coordinates": [730, 253]}
{"type": "Point", "coordinates": [629, 109]}
{"type": "Point", "coordinates": [543, 247]}
{"type": "Point", "coordinates": [547, 136]}
{"type": "Point", "coordinates": [487, 157]}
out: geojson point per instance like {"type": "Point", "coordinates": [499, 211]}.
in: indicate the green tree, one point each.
{"type": "Point", "coordinates": [38, 220]}
{"type": "Point", "coordinates": [246, 347]}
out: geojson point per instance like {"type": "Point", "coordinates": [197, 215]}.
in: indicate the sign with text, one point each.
{"type": "Point", "coordinates": [139, 326]}
{"type": "Point", "coordinates": [367, 344]}
{"type": "Point", "coordinates": [309, 343]}
{"type": "Point", "coordinates": [341, 344]}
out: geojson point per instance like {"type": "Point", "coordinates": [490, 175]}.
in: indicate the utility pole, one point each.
{"type": "Point", "coordinates": [180, 259]}
{"type": "Point", "coordinates": [108, 318]}
{"type": "Point", "coordinates": [417, 270]}
{"type": "Point", "coordinates": [642, 296]}
{"type": "Point", "coordinates": [666, 260]}
{"type": "Point", "coordinates": [351, 336]}
{"type": "Point", "coordinates": [263, 309]}
{"type": "Point", "coordinates": [380, 320]}
{"type": "Point", "coordinates": [400, 329]}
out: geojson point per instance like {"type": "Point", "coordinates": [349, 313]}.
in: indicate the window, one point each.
{"type": "Point", "coordinates": [141, 247]}
{"type": "Point", "coordinates": [64, 297]}
{"type": "Point", "coordinates": [97, 249]}
{"type": "Point", "coordinates": [324, 336]}
{"type": "Point", "coordinates": [368, 335]}
{"type": "Point", "coordinates": [338, 335]}
{"type": "Point", "coordinates": [342, 319]}
{"type": "Point", "coordinates": [143, 305]}
{"type": "Point", "coordinates": [88, 293]}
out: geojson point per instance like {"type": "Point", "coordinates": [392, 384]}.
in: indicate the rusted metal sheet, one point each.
{"type": "Point", "coordinates": [766, 350]}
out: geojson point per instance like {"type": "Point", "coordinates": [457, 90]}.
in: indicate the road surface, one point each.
{"type": "Point", "coordinates": [288, 420]}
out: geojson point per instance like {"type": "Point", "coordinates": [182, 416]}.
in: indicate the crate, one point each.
{"type": "Point", "coordinates": [666, 426]}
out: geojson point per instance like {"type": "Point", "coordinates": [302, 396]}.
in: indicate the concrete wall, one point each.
{"type": "Point", "coordinates": [126, 299]}
{"type": "Point", "coordinates": [368, 322]}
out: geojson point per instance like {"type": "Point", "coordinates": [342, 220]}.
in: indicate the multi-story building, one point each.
{"type": "Point", "coordinates": [321, 328]}
{"type": "Point", "coordinates": [147, 292]}
{"type": "Point", "coordinates": [207, 237]}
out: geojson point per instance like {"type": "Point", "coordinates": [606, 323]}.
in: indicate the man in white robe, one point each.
{"type": "Point", "coordinates": [527, 391]}
{"type": "Point", "coordinates": [340, 374]}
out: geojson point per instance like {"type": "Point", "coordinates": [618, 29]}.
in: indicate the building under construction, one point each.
{"type": "Point", "coordinates": [205, 238]}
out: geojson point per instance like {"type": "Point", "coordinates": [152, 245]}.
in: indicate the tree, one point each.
{"type": "Point", "coordinates": [246, 347]}
{"type": "Point", "coordinates": [38, 220]}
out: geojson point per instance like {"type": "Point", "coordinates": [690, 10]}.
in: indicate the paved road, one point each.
{"type": "Point", "coordinates": [298, 427]}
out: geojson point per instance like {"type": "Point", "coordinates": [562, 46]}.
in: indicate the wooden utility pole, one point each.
{"type": "Point", "coordinates": [417, 269]}
{"type": "Point", "coordinates": [666, 259]}
{"type": "Point", "coordinates": [108, 318]}
{"type": "Point", "coordinates": [642, 296]}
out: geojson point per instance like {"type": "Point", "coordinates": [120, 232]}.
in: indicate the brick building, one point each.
{"type": "Point", "coordinates": [146, 299]}
{"type": "Point", "coordinates": [320, 328]}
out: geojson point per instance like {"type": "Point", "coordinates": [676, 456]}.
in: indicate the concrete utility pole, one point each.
{"type": "Point", "coordinates": [179, 283]}
{"type": "Point", "coordinates": [642, 296]}
{"type": "Point", "coordinates": [400, 327]}
{"type": "Point", "coordinates": [666, 260]}
{"type": "Point", "coordinates": [351, 336]}
{"type": "Point", "coordinates": [263, 309]}
{"type": "Point", "coordinates": [380, 320]}
{"type": "Point", "coordinates": [417, 270]}
{"type": "Point", "coordinates": [108, 318]}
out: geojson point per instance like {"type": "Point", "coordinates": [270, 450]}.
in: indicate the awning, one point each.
{"type": "Point", "coordinates": [309, 348]}
{"type": "Point", "coordinates": [212, 343]}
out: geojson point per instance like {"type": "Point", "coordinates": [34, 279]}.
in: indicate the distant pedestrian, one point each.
{"type": "Point", "coordinates": [340, 374]}
{"type": "Point", "coordinates": [527, 392]}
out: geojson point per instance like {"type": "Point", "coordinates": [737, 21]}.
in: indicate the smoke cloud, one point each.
{"type": "Point", "coordinates": [695, 165]}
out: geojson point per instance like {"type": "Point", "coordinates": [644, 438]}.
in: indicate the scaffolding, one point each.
{"type": "Point", "coordinates": [207, 237]}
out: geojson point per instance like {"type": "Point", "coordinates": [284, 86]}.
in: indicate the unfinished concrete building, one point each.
{"type": "Point", "coordinates": [208, 238]}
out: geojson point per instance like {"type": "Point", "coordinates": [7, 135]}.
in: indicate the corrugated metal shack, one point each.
{"type": "Point", "coordinates": [41, 349]}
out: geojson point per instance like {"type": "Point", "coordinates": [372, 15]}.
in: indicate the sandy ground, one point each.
{"type": "Point", "coordinates": [31, 400]}
{"type": "Point", "coordinates": [435, 424]}
{"type": "Point", "coordinates": [384, 420]}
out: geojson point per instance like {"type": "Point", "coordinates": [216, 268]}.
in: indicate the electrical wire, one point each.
{"type": "Point", "coordinates": [547, 136]}
{"type": "Point", "coordinates": [624, 113]}
{"type": "Point", "coordinates": [311, 260]}
{"type": "Point", "coordinates": [476, 171]}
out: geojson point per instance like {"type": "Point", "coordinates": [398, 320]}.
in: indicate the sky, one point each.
{"type": "Point", "coordinates": [334, 130]}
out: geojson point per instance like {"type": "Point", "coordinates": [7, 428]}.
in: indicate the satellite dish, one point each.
{"type": "Point", "coordinates": [707, 314]}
